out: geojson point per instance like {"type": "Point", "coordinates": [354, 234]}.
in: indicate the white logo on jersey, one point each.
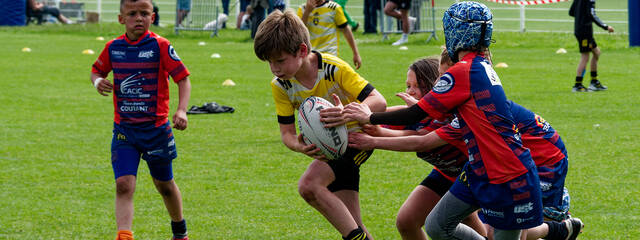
{"type": "Point", "coordinates": [491, 74]}
{"type": "Point", "coordinates": [145, 54]}
{"type": "Point", "coordinates": [173, 54]}
{"type": "Point", "coordinates": [454, 123]}
{"type": "Point", "coordinates": [129, 85]}
{"type": "Point", "coordinates": [523, 208]}
{"type": "Point", "coordinates": [444, 84]}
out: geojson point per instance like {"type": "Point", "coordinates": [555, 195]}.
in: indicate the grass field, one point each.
{"type": "Point", "coordinates": [238, 180]}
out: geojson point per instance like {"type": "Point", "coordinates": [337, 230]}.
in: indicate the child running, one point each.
{"type": "Point", "coordinates": [331, 187]}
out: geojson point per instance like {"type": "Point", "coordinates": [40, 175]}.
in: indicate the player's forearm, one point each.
{"type": "Point", "coordinates": [422, 143]}
{"type": "Point", "coordinates": [385, 132]}
{"type": "Point", "coordinates": [348, 35]}
{"type": "Point", "coordinates": [375, 101]}
{"type": "Point", "coordinates": [398, 144]}
{"type": "Point", "coordinates": [305, 15]}
{"type": "Point", "coordinates": [94, 77]}
{"type": "Point", "coordinates": [184, 93]}
{"type": "Point", "coordinates": [596, 19]}
{"type": "Point", "coordinates": [405, 116]}
{"type": "Point", "coordinates": [289, 137]}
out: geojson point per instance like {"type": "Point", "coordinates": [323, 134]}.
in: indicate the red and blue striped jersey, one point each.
{"type": "Point", "coordinates": [141, 71]}
{"type": "Point", "coordinates": [544, 142]}
{"type": "Point", "coordinates": [473, 90]}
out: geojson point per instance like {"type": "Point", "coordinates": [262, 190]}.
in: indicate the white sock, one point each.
{"type": "Point", "coordinates": [405, 36]}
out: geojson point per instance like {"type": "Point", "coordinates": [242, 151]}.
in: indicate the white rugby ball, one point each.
{"type": "Point", "coordinates": [332, 141]}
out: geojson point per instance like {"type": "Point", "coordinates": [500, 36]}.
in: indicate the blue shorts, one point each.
{"type": "Point", "coordinates": [437, 182]}
{"type": "Point", "coordinates": [555, 197]}
{"type": "Point", "coordinates": [515, 204]}
{"type": "Point", "coordinates": [184, 5]}
{"type": "Point", "coordinates": [156, 145]}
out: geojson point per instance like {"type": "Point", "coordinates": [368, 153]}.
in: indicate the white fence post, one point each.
{"type": "Point", "coordinates": [522, 18]}
{"type": "Point", "coordinates": [99, 9]}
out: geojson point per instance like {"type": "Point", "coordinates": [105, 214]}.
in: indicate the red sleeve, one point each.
{"type": "Point", "coordinates": [102, 66]}
{"type": "Point", "coordinates": [452, 136]}
{"type": "Point", "coordinates": [171, 62]}
{"type": "Point", "coordinates": [450, 91]}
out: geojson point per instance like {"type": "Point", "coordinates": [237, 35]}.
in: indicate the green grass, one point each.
{"type": "Point", "coordinates": [238, 180]}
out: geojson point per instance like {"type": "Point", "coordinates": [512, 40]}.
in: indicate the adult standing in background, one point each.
{"type": "Point", "coordinates": [371, 8]}
{"type": "Point", "coordinates": [584, 12]}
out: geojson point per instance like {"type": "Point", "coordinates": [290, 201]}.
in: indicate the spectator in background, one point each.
{"type": "Point", "coordinates": [584, 11]}
{"type": "Point", "coordinates": [38, 9]}
{"type": "Point", "coordinates": [258, 9]}
{"type": "Point", "coordinates": [399, 9]}
{"type": "Point", "coordinates": [225, 10]}
{"type": "Point", "coordinates": [156, 21]}
{"type": "Point", "coordinates": [184, 7]}
{"type": "Point", "coordinates": [241, 15]}
{"type": "Point", "coordinates": [371, 8]}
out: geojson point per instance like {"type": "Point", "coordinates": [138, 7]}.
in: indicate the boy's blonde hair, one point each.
{"type": "Point", "coordinates": [280, 32]}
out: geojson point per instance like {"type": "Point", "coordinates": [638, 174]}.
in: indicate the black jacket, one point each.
{"type": "Point", "coordinates": [584, 11]}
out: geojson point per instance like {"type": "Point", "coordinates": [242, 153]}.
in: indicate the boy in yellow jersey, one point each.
{"type": "Point", "coordinates": [331, 187]}
{"type": "Point", "coordinates": [323, 18]}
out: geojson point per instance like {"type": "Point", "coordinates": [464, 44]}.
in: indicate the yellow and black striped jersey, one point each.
{"type": "Point", "coordinates": [323, 23]}
{"type": "Point", "coordinates": [334, 76]}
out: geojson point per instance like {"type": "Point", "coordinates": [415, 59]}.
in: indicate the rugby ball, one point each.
{"type": "Point", "coordinates": [332, 141]}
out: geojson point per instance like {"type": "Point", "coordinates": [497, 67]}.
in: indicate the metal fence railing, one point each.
{"type": "Point", "coordinates": [541, 18]}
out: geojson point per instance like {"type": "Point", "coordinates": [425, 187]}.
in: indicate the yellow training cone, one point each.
{"type": "Point", "coordinates": [88, 52]}
{"type": "Point", "coordinates": [403, 48]}
{"type": "Point", "coordinates": [502, 65]}
{"type": "Point", "coordinates": [26, 49]}
{"type": "Point", "coordinates": [561, 51]}
{"type": "Point", "coordinates": [100, 38]}
{"type": "Point", "coordinates": [228, 83]}
{"type": "Point", "coordinates": [215, 55]}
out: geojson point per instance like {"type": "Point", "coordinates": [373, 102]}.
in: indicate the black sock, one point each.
{"type": "Point", "coordinates": [179, 229]}
{"type": "Point", "coordinates": [578, 80]}
{"type": "Point", "coordinates": [557, 230]}
{"type": "Point", "coordinates": [356, 234]}
{"type": "Point", "coordinates": [594, 76]}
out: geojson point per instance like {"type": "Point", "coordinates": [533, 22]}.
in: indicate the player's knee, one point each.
{"type": "Point", "coordinates": [166, 190]}
{"type": "Point", "coordinates": [307, 190]}
{"type": "Point", "coordinates": [125, 186]}
{"type": "Point", "coordinates": [406, 223]}
{"type": "Point", "coordinates": [435, 230]}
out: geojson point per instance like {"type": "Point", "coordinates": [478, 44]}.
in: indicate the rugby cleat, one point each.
{"type": "Point", "coordinates": [574, 228]}
{"type": "Point", "coordinates": [124, 235]}
{"type": "Point", "coordinates": [579, 88]}
{"type": "Point", "coordinates": [597, 86]}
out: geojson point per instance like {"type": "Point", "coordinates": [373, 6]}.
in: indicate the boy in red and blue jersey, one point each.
{"type": "Point", "coordinates": [500, 176]}
{"type": "Point", "coordinates": [142, 63]}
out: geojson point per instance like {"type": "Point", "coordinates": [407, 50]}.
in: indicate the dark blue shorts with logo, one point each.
{"type": "Point", "coordinates": [155, 145]}
{"type": "Point", "coordinates": [515, 204]}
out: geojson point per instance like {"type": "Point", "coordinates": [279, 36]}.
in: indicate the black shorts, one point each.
{"type": "Point", "coordinates": [437, 182]}
{"type": "Point", "coordinates": [347, 170]}
{"type": "Point", "coordinates": [402, 4]}
{"type": "Point", "coordinates": [586, 43]}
